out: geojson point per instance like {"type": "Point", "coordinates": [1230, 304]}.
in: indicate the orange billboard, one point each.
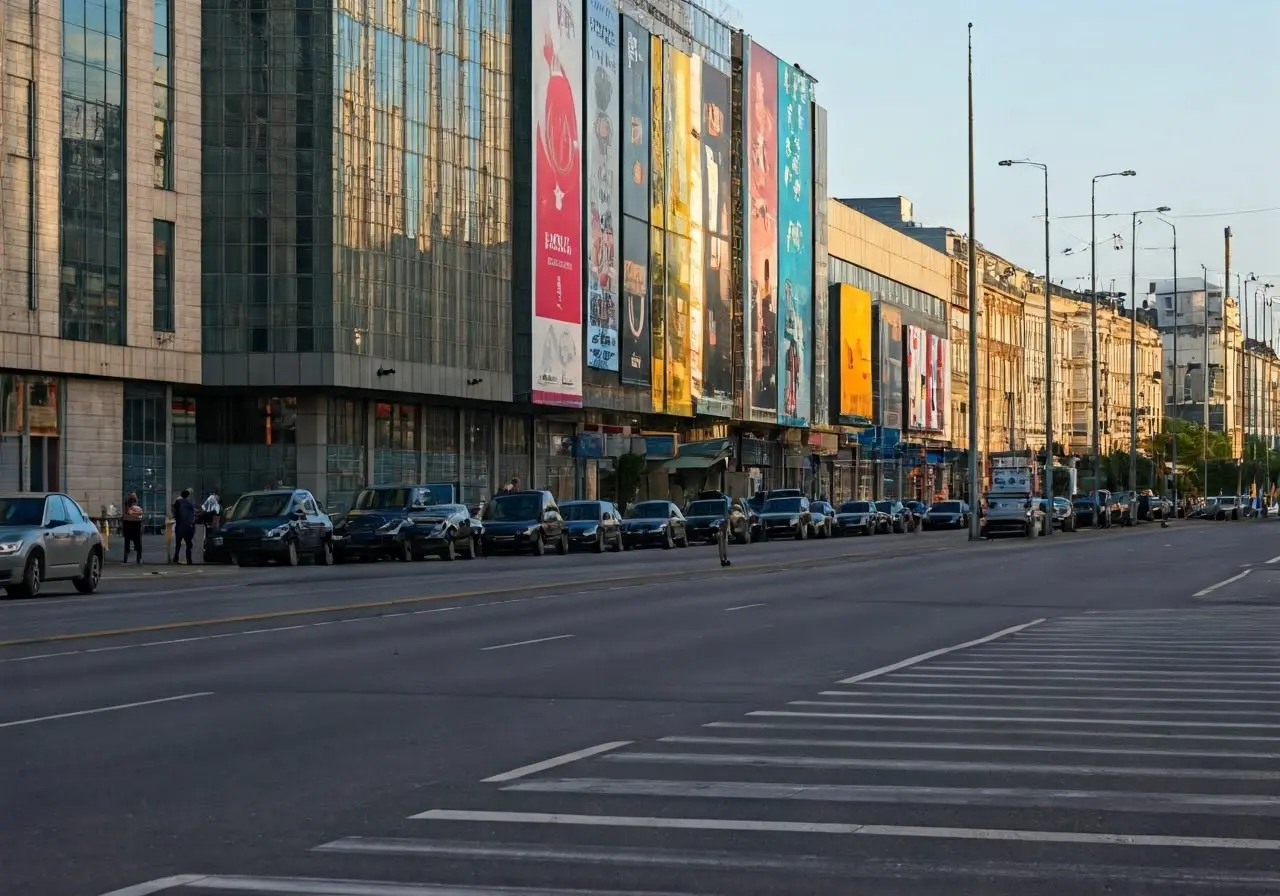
{"type": "Point", "coordinates": [855, 355]}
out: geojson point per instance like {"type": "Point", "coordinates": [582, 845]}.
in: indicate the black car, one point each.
{"type": "Point", "coordinates": [946, 515]}
{"type": "Point", "coordinates": [1063, 515]}
{"type": "Point", "coordinates": [915, 512]}
{"type": "Point", "coordinates": [857, 517]}
{"type": "Point", "coordinates": [824, 518]}
{"type": "Point", "coordinates": [377, 525]}
{"type": "Point", "coordinates": [447, 530]}
{"type": "Point", "coordinates": [895, 516]}
{"type": "Point", "coordinates": [595, 525]}
{"type": "Point", "coordinates": [284, 525]}
{"type": "Point", "coordinates": [524, 521]}
{"type": "Point", "coordinates": [710, 511]}
{"type": "Point", "coordinates": [1085, 509]}
{"type": "Point", "coordinates": [788, 517]}
{"type": "Point", "coordinates": [651, 523]}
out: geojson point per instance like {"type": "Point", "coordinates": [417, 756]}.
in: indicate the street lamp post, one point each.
{"type": "Point", "coordinates": [1093, 311]}
{"type": "Point", "coordinates": [1204, 436]}
{"type": "Point", "coordinates": [1133, 346]}
{"type": "Point", "coordinates": [1048, 346]}
{"type": "Point", "coordinates": [1177, 386]}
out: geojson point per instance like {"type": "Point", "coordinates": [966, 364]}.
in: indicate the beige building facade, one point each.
{"type": "Point", "coordinates": [99, 243]}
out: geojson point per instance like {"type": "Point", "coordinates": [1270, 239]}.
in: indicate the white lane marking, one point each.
{"type": "Point", "coordinates": [1121, 750]}
{"type": "Point", "coordinates": [554, 761]}
{"type": "Point", "coordinates": [157, 886]}
{"type": "Point", "coordinates": [1083, 690]}
{"type": "Point", "coordinates": [1216, 585]}
{"type": "Point", "coordinates": [923, 657]}
{"type": "Point", "coordinates": [1113, 674]}
{"type": "Point", "coordinates": [743, 607]}
{"type": "Point", "coordinates": [1112, 710]}
{"type": "Point", "coordinates": [1155, 723]}
{"type": "Point", "coordinates": [1273, 560]}
{"type": "Point", "coordinates": [874, 830]}
{"type": "Point", "coordinates": [925, 692]}
{"type": "Point", "coordinates": [101, 709]}
{"type": "Point", "coordinates": [526, 643]}
{"type": "Point", "coordinates": [801, 725]}
{"type": "Point", "coordinates": [1119, 680]}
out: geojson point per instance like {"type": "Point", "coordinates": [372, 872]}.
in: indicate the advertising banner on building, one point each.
{"type": "Point", "coordinates": [557, 202]}
{"type": "Point", "coordinates": [927, 363]}
{"type": "Point", "coordinates": [657, 135]}
{"type": "Point", "coordinates": [795, 246]}
{"type": "Point", "coordinates": [717, 351]}
{"type": "Point", "coordinates": [760, 309]}
{"type": "Point", "coordinates": [636, 361]}
{"type": "Point", "coordinates": [693, 189]}
{"type": "Point", "coordinates": [636, 115]}
{"type": "Point", "coordinates": [603, 202]}
{"type": "Point", "coordinates": [940, 352]}
{"type": "Point", "coordinates": [658, 316]}
{"type": "Point", "coordinates": [856, 393]}
{"type": "Point", "coordinates": [887, 359]}
{"type": "Point", "coordinates": [658, 223]}
{"type": "Point", "coordinates": [679, 271]}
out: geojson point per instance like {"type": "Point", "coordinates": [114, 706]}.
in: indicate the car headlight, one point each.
{"type": "Point", "coordinates": [716, 524]}
{"type": "Point", "coordinates": [10, 547]}
{"type": "Point", "coordinates": [531, 530]}
{"type": "Point", "coordinates": [391, 528]}
{"type": "Point", "coordinates": [590, 531]}
{"type": "Point", "coordinates": [277, 532]}
{"type": "Point", "coordinates": [217, 543]}
{"type": "Point", "coordinates": [795, 521]}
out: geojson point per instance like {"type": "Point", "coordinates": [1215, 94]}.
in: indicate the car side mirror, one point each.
{"type": "Point", "coordinates": [300, 514]}
{"type": "Point", "coordinates": [54, 524]}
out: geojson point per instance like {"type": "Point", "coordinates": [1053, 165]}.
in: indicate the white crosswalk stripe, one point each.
{"type": "Point", "coordinates": [1050, 760]}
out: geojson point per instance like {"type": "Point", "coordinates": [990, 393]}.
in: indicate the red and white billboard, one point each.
{"type": "Point", "coordinates": [928, 379]}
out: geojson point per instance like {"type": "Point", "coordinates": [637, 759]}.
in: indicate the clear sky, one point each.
{"type": "Point", "coordinates": [1186, 92]}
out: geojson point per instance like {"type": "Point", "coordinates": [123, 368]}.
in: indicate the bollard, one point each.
{"type": "Point", "coordinates": [106, 537]}
{"type": "Point", "coordinates": [169, 523]}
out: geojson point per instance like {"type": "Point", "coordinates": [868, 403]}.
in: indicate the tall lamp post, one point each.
{"type": "Point", "coordinates": [975, 498]}
{"type": "Point", "coordinates": [1204, 436]}
{"type": "Point", "coordinates": [1048, 344]}
{"type": "Point", "coordinates": [1093, 311]}
{"type": "Point", "coordinates": [1177, 385]}
{"type": "Point", "coordinates": [1133, 346]}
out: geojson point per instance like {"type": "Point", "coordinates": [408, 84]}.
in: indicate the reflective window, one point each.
{"type": "Point", "coordinates": [344, 453]}
{"type": "Point", "coordinates": [882, 289]}
{"type": "Point", "coordinates": [91, 284]}
{"type": "Point", "coordinates": [162, 277]}
{"type": "Point", "coordinates": [162, 93]}
{"type": "Point", "coordinates": [146, 426]}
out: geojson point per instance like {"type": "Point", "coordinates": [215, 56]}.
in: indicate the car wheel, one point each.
{"type": "Point", "coordinates": [325, 556]}
{"type": "Point", "coordinates": [600, 544]}
{"type": "Point", "coordinates": [562, 546]}
{"type": "Point", "coordinates": [743, 537]}
{"type": "Point", "coordinates": [539, 546]}
{"type": "Point", "coordinates": [291, 554]}
{"type": "Point", "coordinates": [404, 551]}
{"type": "Point", "coordinates": [32, 573]}
{"type": "Point", "coordinates": [87, 582]}
{"type": "Point", "coordinates": [469, 551]}
{"type": "Point", "coordinates": [802, 532]}
{"type": "Point", "coordinates": [684, 540]}
{"type": "Point", "coordinates": [450, 549]}
{"type": "Point", "coordinates": [669, 542]}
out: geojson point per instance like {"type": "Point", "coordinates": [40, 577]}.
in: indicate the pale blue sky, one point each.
{"type": "Point", "coordinates": [1187, 92]}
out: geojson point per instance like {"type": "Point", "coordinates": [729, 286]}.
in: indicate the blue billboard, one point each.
{"type": "Point", "coordinates": [795, 246]}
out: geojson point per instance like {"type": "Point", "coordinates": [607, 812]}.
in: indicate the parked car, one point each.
{"type": "Point", "coordinates": [895, 516]}
{"type": "Point", "coordinates": [917, 511]}
{"type": "Point", "coordinates": [706, 514]}
{"type": "Point", "coordinates": [284, 525]}
{"type": "Point", "coordinates": [1063, 515]}
{"type": "Point", "coordinates": [857, 518]}
{"type": "Point", "coordinates": [47, 537]}
{"type": "Point", "coordinates": [1225, 507]}
{"type": "Point", "coordinates": [823, 516]}
{"type": "Point", "coordinates": [594, 525]}
{"type": "Point", "coordinates": [787, 517]}
{"type": "Point", "coordinates": [447, 530]}
{"type": "Point", "coordinates": [377, 524]}
{"type": "Point", "coordinates": [650, 523]}
{"type": "Point", "coordinates": [524, 521]}
{"type": "Point", "coordinates": [1085, 510]}
{"type": "Point", "coordinates": [947, 515]}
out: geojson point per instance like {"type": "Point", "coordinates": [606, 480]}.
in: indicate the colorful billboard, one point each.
{"type": "Point", "coordinates": [693, 190]}
{"type": "Point", "coordinates": [795, 245]}
{"type": "Point", "coordinates": [760, 309]}
{"type": "Point", "coordinates": [657, 136]}
{"type": "Point", "coordinates": [928, 380]}
{"type": "Point", "coordinates": [603, 211]}
{"type": "Point", "coordinates": [717, 352]}
{"type": "Point", "coordinates": [658, 221]}
{"type": "Point", "coordinates": [636, 115]}
{"type": "Point", "coordinates": [636, 361]}
{"type": "Point", "coordinates": [887, 360]}
{"type": "Point", "coordinates": [856, 393]}
{"type": "Point", "coordinates": [557, 203]}
{"type": "Point", "coordinates": [676, 67]}
{"type": "Point", "coordinates": [658, 316]}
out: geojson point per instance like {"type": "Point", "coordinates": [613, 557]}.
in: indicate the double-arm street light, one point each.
{"type": "Point", "coordinates": [1093, 295]}
{"type": "Point", "coordinates": [1204, 269]}
{"type": "Point", "coordinates": [1133, 345]}
{"type": "Point", "coordinates": [1176, 383]}
{"type": "Point", "coordinates": [1048, 343]}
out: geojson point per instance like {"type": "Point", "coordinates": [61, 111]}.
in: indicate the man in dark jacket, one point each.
{"type": "Point", "coordinates": [184, 524]}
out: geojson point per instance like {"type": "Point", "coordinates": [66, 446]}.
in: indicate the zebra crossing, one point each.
{"type": "Point", "coordinates": [1112, 752]}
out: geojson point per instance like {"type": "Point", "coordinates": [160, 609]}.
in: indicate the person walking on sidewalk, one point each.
{"type": "Point", "coordinates": [184, 525]}
{"type": "Point", "coordinates": [210, 516]}
{"type": "Point", "coordinates": [131, 525]}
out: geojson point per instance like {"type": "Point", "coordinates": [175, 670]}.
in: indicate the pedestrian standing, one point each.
{"type": "Point", "coordinates": [184, 525]}
{"type": "Point", "coordinates": [131, 526]}
{"type": "Point", "coordinates": [211, 516]}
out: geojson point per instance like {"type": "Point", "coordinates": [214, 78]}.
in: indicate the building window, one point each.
{"type": "Point", "coordinates": [162, 277]}
{"type": "Point", "coordinates": [91, 285]}
{"type": "Point", "coordinates": [162, 93]}
{"type": "Point", "coordinates": [145, 434]}
{"type": "Point", "coordinates": [395, 442]}
{"type": "Point", "coordinates": [344, 453]}
{"type": "Point", "coordinates": [440, 445]}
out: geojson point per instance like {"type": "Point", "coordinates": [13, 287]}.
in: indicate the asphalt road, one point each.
{"type": "Point", "coordinates": [330, 731]}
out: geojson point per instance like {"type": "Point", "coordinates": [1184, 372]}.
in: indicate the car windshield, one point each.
{"type": "Point", "coordinates": [706, 508]}
{"type": "Point", "coordinates": [886, 506]}
{"type": "Point", "coordinates": [650, 510]}
{"type": "Point", "coordinates": [384, 498]}
{"type": "Point", "coordinates": [260, 507]}
{"type": "Point", "coordinates": [513, 508]}
{"type": "Point", "coordinates": [782, 505]}
{"type": "Point", "coordinates": [1084, 502]}
{"type": "Point", "coordinates": [945, 507]}
{"type": "Point", "coordinates": [855, 507]}
{"type": "Point", "coordinates": [1061, 502]}
{"type": "Point", "coordinates": [21, 511]}
{"type": "Point", "coordinates": [442, 510]}
{"type": "Point", "coordinates": [580, 510]}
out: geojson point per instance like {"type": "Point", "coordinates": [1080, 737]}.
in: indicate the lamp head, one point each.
{"type": "Point", "coordinates": [1006, 163]}
{"type": "Point", "coordinates": [1129, 173]}
{"type": "Point", "coordinates": [1162, 209]}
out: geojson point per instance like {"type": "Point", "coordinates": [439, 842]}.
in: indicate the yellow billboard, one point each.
{"type": "Point", "coordinates": [855, 355]}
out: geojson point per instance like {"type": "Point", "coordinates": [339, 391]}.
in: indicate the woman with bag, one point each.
{"type": "Point", "coordinates": [131, 525]}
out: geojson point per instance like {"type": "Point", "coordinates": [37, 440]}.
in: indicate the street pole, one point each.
{"type": "Point", "coordinates": [1048, 343]}
{"type": "Point", "coordinates": [1177, 384]}
{"type": "Point", "coordinates": [975, 498]}
{"type": "Point", "coordinates": [1133, 347]}
{"type": "Point", "coordinates": [1204, 435]}
{"type": "Point", "coordinates": [1093, 307]}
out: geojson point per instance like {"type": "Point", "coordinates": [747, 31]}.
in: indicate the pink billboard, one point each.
{"type": "Point", "coordinates": [928, 377]}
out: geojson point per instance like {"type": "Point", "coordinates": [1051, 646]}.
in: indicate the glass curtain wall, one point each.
{"type": "Point", "coordinates": [477, 450]}
{"type": "Point", "coordinates": [514, 456]}
{"type": "Point", "coordinates": [146, 433]}
{"type": "Point", "coordinates": [395, 442]}
{"type": "Point", "coordinates": [557, 468]}
{"type": "Point", "coordinates": [440, 445]}
{"type": "Point", "coordinates": [10, 433]}
{"type": "Point", "coordinates": [344, 453]}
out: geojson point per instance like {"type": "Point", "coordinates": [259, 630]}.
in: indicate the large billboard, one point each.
{"type": "Point", "coordinates": [679, 267]}
{"type": "Point", "coordinates": [603, 210]}
{"type": "Point", "coordinates": [636, 115]}
{"type": "Point", "coordinates": [557, 202]}
{"type": "Point", "coordinates": [855, 371]}
{"type": "Point", "coordinates": [887, 358]}
{"type": "Point", "coordinates": [940, 351]}
{"type": "Point", "coordinates": [657, 221]}
{"type": "Point", "coordinates": [795, 245]}
{"type": "Point", "coordinates": [928, 379]}
{"type": "Point", "coordinates": [717, 353]}
{"type": "Point", "coordinates": [760, 309]}
{"type": "Point", "coordinates": [635, 362]}
{"type": "Point", "coordinates": [693, 178]}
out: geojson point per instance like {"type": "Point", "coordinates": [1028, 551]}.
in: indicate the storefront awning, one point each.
{"type": "Point", "coordinates": [696, 461]}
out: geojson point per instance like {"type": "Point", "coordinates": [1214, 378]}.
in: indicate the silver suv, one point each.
{"type": "Point", "coordinates": [47, 538]}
